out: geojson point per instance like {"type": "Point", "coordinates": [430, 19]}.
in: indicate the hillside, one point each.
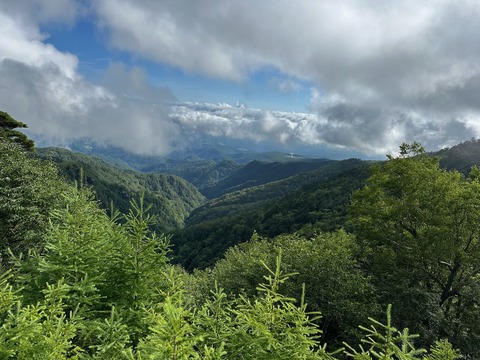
{"type": "Point", "coordinates": [256, 196]}
{"type": "Point", "coordinates": [261, 172]}
{"type": "Point", "coordinates": [271, 209]}
{"type": "Point", "coordinates": [460, 157]}
{"type": "Point", "coordinates": [202, 174]}
{"type": "Point", "coordinates": [171, 197]}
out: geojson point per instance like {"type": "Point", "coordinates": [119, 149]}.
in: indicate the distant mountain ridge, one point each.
{"type": "Point", "coordinates": [460, 157]}
{"type": "Point", "coordinates": [216, 152]}
{"type": "Point", "coordinates": [214, 169]}
{"type": "Point", "coordinates": [261, 172]}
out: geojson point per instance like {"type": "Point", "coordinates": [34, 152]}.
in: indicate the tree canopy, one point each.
{"type": "Point", "coordinates": [7, 130]}
{"type": "Point", "coordinates": [29, 190]}
{"type": "Point", "coordinates": [418, 225]}
{"type": "Point", "coordinates": [102, 287]}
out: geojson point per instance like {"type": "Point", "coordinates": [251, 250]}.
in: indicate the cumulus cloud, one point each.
{"type": "Point", "coordinates": [23, 42]}
{"type": "Point", "coordinates": [403, 69]}
{"type": "Point", "coordinates": [59, 109]}
{"type": "Point", "coordinates": [383, 72]}
{"type": "Point", "coordinates": [41, 86]}
{"type": "Point", "coordinates": [285, 129]}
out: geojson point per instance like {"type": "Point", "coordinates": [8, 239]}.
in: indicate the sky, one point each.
{"type": "Point", "coordinates": [337, 77]}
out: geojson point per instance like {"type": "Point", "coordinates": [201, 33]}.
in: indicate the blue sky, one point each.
{"type": "Point", "coordinates": [262, 89]}
{"type": "Point", "coordinates": [339, 77]}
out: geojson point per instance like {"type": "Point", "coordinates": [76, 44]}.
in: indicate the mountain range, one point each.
{"type": "Point", "coordinates": [213, 198]}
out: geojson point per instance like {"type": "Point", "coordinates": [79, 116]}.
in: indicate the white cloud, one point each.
{"type": "Point", "coordinates": [23, 42]}
{"type": "Point", "coordinates": [41, 86]}
{"type": "Point", "coordinates": [59, 109]}
{"type": "Point", "coordinates": [384, 72]}
{"type": "Point", "coordinates": [404, 69]}
{"type": "Point", "coordinates": [42, 11]}
{"type": "Point", "coordinates": [285, 129]}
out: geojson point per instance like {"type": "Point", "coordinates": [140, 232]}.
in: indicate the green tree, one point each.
{"type": "Point", "coordinates": [103, 264]}
{"type": "Point", "coordinates": [418, 227]}
{"type": "Point", "coordinates": [385, 342]}
{"type": "Point", "coordinates": [39, 331]}
{"type": "Point", "coordinates": [7, 126]}
{"type": "Point", "coordinates": [29, 190]}
{"type": "Point", "coordinates": [326, 265]}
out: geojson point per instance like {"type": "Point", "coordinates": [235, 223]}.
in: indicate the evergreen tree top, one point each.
{"type": "Point", "coordinates": [6, 121]}
{"type": "Point", "coordinates": [7, 126]}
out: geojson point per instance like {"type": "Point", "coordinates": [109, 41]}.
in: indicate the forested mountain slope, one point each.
{"type": "Point", "coordinates": [202, 174]}
{"type": "Point", "coordinates": [320, 205]}
{"type": "Point", "coordinates": [460, 157]}
{"type": "Point", "coordinates": [171, 197]}
{"type": "Point", "coordinates": [261, 172]}
{"type": "Point", "coordinates": [256, 196]}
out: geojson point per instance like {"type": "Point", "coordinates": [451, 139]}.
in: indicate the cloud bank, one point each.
{"type": "Point", "coordinates": [41, 86]}
{"type": "Point", "coordinates": [383, 72]}
{"type": "Point", "coordinates": [237, 122]}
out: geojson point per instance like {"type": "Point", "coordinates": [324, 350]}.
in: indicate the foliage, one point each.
{"type": "Point", "coordinates": [418, 226]}
{"type": "Point", "coordinates": [170, 197]}
{"type": "Point", "coordinates": [37, 331]}
{"type": "Point", "coordinates": [172, 333]}
{"type": "Point", "coordinates": [443, 350]}
{"type": "Point", "coordinates": [387, 344]}
{"type": "Point", "coordinates": [102, 265]}
{"type": "Point", "coordinates": [272, 326]}
{"type": "Point", "coordinates": [29, 190]}
{"type": "Point", "coordinates": [325, 265]}
{"type": "Point", "coordinates": [7, 126]}
{"type": "Point", "coordinates": [225, 222]}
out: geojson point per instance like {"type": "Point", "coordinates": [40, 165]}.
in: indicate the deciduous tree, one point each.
{"type": "Point", "coordinates": [419, 226]}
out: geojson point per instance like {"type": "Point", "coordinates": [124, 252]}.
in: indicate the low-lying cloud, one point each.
{"type": "Point", "coordinates": [237, 122]}
{"type": "Point", "coordinates": [59, 109]}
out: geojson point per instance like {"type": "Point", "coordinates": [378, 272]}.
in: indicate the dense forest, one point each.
{"type": "Point", "coordinates": [170, 197]}
{"type": "Point", "coordinates": [367, 257]}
